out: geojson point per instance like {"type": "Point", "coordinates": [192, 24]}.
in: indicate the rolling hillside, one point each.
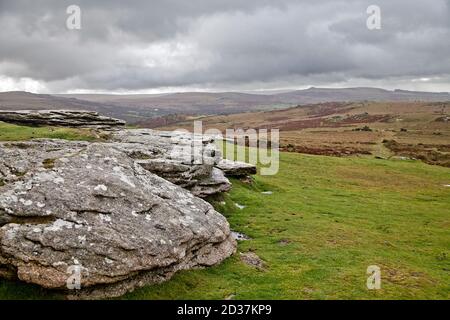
{"type": "Point", "coordinates": [152, 109]}
{"type": "Point", "coordinates": [384, 129]}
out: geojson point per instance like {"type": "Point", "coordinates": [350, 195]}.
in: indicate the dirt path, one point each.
{"type": "Point", "coordinates": [379, 150]}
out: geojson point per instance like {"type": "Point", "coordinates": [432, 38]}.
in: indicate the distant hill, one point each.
{"type": "Point", "coordinates": [319, 95]}
{"type": "Point", "coordinates": [232, 102]}
{"type": "Point", "coordinates": [143, 107]}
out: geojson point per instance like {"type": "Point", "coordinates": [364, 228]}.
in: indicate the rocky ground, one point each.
{"type": "Point", "coordinates": [125, 213]}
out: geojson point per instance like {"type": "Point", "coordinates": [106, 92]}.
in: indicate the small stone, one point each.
{"type": "Point", "coordinates": [251, 259]}
{"type": "Point", "coordinates": [240, 236]}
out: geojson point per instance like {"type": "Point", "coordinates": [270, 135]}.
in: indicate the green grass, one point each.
{"type": "Point", "coordinates": [327, 220]}
{"type": "Point", "coordinates": [11, 132]}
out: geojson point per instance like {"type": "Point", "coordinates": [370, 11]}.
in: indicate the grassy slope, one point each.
{"type": "Point", "coordinates": [338, 216]}
{"type": "Point", "coordinates": [335, 217]}
{"type": "Point", "coordinates": [11, 132]}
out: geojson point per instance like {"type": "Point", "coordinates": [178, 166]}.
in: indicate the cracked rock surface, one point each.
{"type": "Point", "coordinates": [105, 208]}
{"type": "Point", "coordinates": [187, 160]}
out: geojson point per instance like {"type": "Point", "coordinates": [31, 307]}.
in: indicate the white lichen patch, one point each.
{"type": "Point", "coordinates": [45, 176]}
{"type": "Point", "coordinates": [101, 187]}
{"type": "Point", "coordinates": [58, 180]}
{"type": "Point", "coordinates": [186, 221]}
{"type": "Point", "coordinates": [82, 239]}
{"type": "Point", "coordinates": [59, 263]}
{"type": "Point", "coordinates": [11, 232]}
{"type": "Point", "coordinates": [26, 203]}
{"type": "Point", "coordinates": [58, 225]}
{"type": "Point", "coordinates": [40, 205]}
{"type": "Point", "coordinates": [126, 180]}
{"type": "Point", "coordinates": [11, 198]}
{"type": "Point", "coordinates": [105, 217]}
{"type": "Point", "coordinates": [108, 159]}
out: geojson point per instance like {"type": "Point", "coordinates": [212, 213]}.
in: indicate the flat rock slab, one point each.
{"type": "Point", "coordinates": [236, 169]}
{"type": "Point", "coordinates": [66, 204]}
{"type": "Point", "coordinates": [68, 118]}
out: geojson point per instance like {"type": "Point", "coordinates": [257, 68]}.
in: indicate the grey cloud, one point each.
{"type": "Point", "coordinates": [227, 43]}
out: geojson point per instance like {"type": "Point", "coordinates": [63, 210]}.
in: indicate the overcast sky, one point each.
{"type": "Point", "coordinates": [215, 45]}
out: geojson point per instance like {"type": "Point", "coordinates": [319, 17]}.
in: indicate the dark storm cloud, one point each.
{"type": "Point", "coordinates": [228, 43]}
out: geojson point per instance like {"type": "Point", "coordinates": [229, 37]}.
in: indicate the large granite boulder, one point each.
{"type": "Point", "coordinates": [66, 205]}
{"type": "Point", "coordinates": [185, 159]}
{"type": "Point", "coordinates": [68, 118]}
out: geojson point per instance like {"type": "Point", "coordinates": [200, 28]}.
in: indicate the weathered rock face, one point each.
{"type": "Point", "coordinates": [172, 156]}
{"type": "Point", "coordinates": [60, 118]}
{"type": "Point", "coordinates": [93, 206]}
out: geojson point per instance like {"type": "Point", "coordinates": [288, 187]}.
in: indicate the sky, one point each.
{"type": "Point", "coordinates": [222, 45]}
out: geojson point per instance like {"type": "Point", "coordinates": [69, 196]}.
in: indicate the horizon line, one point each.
{"type": "Point", "coordinates": [255, 92]}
